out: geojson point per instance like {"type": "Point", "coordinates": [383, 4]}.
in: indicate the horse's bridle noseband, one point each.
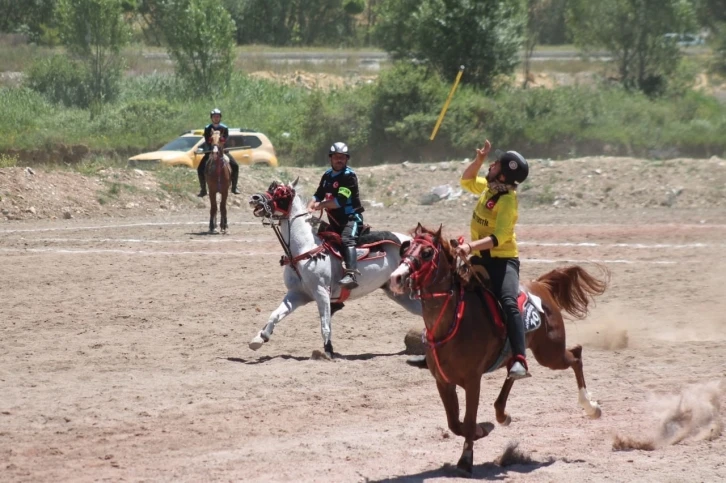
{"type": "Point", "coordinates": [270, 205]}
{"type": "Point", "coordinates": [423, 266]}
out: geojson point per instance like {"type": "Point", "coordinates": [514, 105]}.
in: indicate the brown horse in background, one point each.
{"type": "Point", "coordinates": [218, 174]}
{"type": "Point", "coordinates": [464, 343]}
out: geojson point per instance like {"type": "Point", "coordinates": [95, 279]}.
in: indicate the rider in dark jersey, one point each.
{"type": "Point", "coordinates": [338, 195]}
{"type": "Point", "coordinates": [216, 125]}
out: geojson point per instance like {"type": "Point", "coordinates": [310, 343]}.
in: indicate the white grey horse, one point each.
{"type": "Point", "coordinates": [314, 273]}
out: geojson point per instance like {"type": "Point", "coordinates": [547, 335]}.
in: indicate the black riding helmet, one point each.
{"type": "Point", "coordinates": [215, 111]}
{"type": "Point", "coordinates": [339, 148]}
{"type": "Point", "coordinates": [513, 167]}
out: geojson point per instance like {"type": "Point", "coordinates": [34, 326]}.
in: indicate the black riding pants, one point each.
{"type": "Point", "coordinates": [504, 277]}
{"type": "Point", "coordinates": [350, 231]}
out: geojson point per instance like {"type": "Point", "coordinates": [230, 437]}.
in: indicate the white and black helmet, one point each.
{"type": "Point", "coordinates": [339, 148]}
{"type": "Point", "coordinates": [215, 111]}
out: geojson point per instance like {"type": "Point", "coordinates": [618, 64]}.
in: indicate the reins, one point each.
{"type": "Point", "coordinates": [428, 337]}
{"type": "Point", "coordinates": [275, 222]}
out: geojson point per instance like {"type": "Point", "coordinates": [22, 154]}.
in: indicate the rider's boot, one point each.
{"type": "Point", "coordinates": [351, 261]}
{"type": "Point", "coordinates": [515, 331]}
{"type": "Point", "coordinates": [235, 177]}
{"type": "Point", "coordinates": [202, 185]}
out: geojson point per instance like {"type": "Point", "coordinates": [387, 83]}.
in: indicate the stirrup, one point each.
{"type": "Point", "coordinates": [518, 371]}
{"type": "Point", "coordinates": [349, 281]}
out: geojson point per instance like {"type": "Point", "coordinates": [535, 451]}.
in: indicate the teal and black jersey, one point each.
{"type": "Point", "coordinates": [223, 133]}
{"type": "Point", "coordinates": [341, 186]}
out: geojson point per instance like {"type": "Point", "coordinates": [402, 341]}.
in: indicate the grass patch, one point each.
{"type": "Point", "coordinates": [546, 197]}
{"type": "Point", "coordinates": [177, 181]}
{"type": "Point", "coordinates": [8, 161]}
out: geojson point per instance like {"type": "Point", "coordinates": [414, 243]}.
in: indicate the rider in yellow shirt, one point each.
{"type": "Point", "coordinates": [494, 244]}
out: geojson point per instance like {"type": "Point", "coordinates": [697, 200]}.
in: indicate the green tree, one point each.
{"type": "Point", "coordinates": [296, 22]}
{"type": "Point", "coordinates": [633, 32]}
{"type": "Point", "coordinates": [31, 17]}
{"type": "Point", "coordinates": [94, 31]}
{"type": "Point", "coordinates": [200, 39]}
{"type": "Point", "coordinates": [483, 35]}
{"type": "Point", "coordinates": [536, 22]}
{"type": "Point", "coordinates": [710, 13]}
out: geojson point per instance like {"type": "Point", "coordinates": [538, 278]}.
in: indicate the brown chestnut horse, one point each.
{"type": "Point", "coordinates": [218, 174]}
{"type": "Point", "coordinates": [463, 341]}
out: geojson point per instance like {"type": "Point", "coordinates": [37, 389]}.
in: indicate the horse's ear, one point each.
{"type": "Point", "coordinates": [438, 232]}
{"type": "Point", "coordinates": [419, 228]}
{"type": "Point", "coordinates": [294, 183]}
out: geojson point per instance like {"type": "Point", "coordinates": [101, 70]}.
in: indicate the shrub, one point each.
{"type": "Point", "coordinates": [61, 80]}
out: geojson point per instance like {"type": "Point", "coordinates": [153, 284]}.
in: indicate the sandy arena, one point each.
{"type": "Point", "coordinates": [124, 357]}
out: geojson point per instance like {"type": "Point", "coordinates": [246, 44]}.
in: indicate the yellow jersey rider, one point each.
{"type": "Point", "coordinates": [494, 244]}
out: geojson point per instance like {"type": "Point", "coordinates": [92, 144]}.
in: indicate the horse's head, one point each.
{"type": "Point", "coordinates": [215, 138]}
{"type": "Point", "coordinates": [274, 203]}
{"type": "Point", "coordinates": [425, 261]}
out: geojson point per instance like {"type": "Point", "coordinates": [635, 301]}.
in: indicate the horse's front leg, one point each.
{"type": "Point", "coordinates": [447, 393]}
{"type": "Point", "coordinates": [472, 430]}
{"type": "Point", "coordinates": [223, 210]}
{"type": "Point", "coordinates": [212, 210]}
{"type": "Point", "coordinates": [292, 301]}
{"type": "Point", "coordinates": [322, 298]}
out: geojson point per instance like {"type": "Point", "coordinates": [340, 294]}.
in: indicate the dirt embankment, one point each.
{"type": "Point", "coordinates": [608, 182]}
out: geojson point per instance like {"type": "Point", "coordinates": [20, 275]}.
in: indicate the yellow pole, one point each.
{"type": "Point", "coordinates": [446, 104]}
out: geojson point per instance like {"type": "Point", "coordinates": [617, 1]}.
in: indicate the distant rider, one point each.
{"type": "Point", "coordinates": [338, 195]}
{"type": "Point", "coordinates": [216, 125]}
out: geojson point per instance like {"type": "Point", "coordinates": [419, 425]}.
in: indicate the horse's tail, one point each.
{"type": "Point", "coordinates": [573, 288]}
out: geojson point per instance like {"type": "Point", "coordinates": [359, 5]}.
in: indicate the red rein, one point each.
{"type": "Point", "coordinates": [421, 278]}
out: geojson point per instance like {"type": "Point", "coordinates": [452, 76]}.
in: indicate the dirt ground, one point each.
{"type": "Point", "coordinates": [124, 331]}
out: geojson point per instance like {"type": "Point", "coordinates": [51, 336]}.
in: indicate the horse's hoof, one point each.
{"type": "Point", "coordinates": [417, 361]}
{"type": "Point", "coordinates": [486, 429]}
{"type": "Point", "coordinates": [596, 413]}
{"type": "Point", "coordinates": [465, 467]}
{"type": "Point", "coordinates": [321, 356]}
{"type": "Point", "coordinates": [257, 342]}
{"type": "Point", "coordinates": [507, 420]}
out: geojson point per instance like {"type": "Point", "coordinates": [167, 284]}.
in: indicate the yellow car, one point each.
{"type": "Point", "coordinates": [186, 150]}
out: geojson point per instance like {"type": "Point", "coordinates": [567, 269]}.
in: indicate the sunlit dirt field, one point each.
{"type": "Point", "coordinates": [123, 357]}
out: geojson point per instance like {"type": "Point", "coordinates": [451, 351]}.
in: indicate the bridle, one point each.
{"type": "Point", "coordinates": [270, 202]}
{"type": "Point", "coordinates": [425, 271]}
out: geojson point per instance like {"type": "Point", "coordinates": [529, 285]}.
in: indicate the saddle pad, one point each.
{"type": "Point", "coordinates": [531, 308]}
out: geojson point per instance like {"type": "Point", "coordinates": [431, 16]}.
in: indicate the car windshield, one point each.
{"type": "Point", "coordinates": [184, 143]}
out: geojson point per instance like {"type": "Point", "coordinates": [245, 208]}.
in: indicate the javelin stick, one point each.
{"type": "Point", "coordinates": [446, 104]}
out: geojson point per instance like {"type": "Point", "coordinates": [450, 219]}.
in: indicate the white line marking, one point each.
{"type": "Point", "coordinates": [204, 239]}
{"type": "Point", "coordinates": [594, 260]}
{"type": "Point", "coordinates": [69, 251]}
{"type": "Point", "coordinates": [621, 245]}
{"type": "Point", "coordinates": [624, 226]}
{"type": "Point", "coordinates": [127, 225]}
{"type": "Point", "coordinates": [63, 251]}
{"type": "Point", "coordinates": [219, 239]}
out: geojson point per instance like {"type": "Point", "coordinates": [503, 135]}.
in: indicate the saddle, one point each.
{"type": "Point", "coordinates": [211, 165]}
{"type": "Point", "coordinates": [369, 246]}
{"type": "Point", "coordinates": [477, 280]}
